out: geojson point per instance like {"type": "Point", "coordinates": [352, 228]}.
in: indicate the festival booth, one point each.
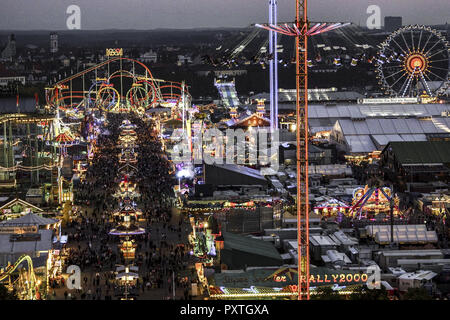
{"type": "Point", "coordinates": [202, 240]}
{"type": "Point", "coordinates": [125, 231]}
{"type": "Point", "coordinates": [127, 189]}
{"type": "Point", "coordinates": [440, 205]}
{"type": "Point", "coordinates": [331, 208]}
{"type": "Point", "coordinates": [17, 208]}
{"type": "Point", "coordinates": [128, 213]}
{"type": "Point", "coordinates": [126, 281]}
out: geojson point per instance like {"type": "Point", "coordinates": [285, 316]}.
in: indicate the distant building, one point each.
{"type": "Point", "coordinates": [418, 279]}
{"type": "Point", "coordinates": [184, 59]}
{"type": "Point", "coordinates": [448, 31]}
{"type": "Point", "coordinates": [392, 23]}
{"type": "Point", "coordinates": [149, 57]}
{"type": "Point", "coordinates": [53, 42]}
{"type": "Point", "coordinates": [10, 49]}
{"type": "Point", "coordinates": [5, 80]}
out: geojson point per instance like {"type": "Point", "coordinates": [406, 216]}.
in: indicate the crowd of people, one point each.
{"type": "Point", "coordinates": [162, 252]}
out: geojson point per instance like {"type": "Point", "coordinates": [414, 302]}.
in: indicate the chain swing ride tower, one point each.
{"type": "Point", "coordinates": [301, 75]}
{"type": "Point", "coordinates": [301, 31]}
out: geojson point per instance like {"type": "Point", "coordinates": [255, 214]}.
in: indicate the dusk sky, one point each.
{"type": "Point", "coordinates": [151, 14]}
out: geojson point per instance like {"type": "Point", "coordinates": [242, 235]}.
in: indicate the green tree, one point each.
{"type": "Point", "coordinates": [326, 293]}
{"type": "Point", "coordinates": [363, 293]}
{"type": "Point", "coordinates": [416, 294]}
{"type": "Point", "coordinates": [5, 294]}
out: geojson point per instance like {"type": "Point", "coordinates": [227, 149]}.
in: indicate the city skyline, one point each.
{"type": "Point", "coordinates": [154, 14]}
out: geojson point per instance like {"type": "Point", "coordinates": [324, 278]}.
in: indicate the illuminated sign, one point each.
{"type": "Point", "coordinates": [18, 230]}
{"type": "Point", "coordinates": [331, 278]}
{"type": "Point", "coordinates": [388, 100]}
{"type": "Point", "coordinates": [289, 274]}
{"type": "Point", "coordinates": [114, 52]}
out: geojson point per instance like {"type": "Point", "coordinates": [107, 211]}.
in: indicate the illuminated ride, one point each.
{"type": "Point", "coordinates": [368, 202]}
{"type": "Point", "coordinates": [107, 98]}
{"type": "Point", "coordinates": [414, 61]}
{"type": "Point", "coordinates": [331, 208]}
{"type": "Point", "coordinates": [30, 283]}
{"type": "Point", "coordinates": [117, 85]}
{"type": "Point", "coordinates": [65, 140]}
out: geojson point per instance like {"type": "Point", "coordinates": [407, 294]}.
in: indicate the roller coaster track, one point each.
{"type": "Point", "coordinates": [54, 94]}
{"type": "Point", "coordinates": [101, 65]}
{"type": "Point", "coordinates": [32, 277]}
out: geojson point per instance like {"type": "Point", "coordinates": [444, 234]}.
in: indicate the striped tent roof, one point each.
{"type": "Point", "coordinates": [64, 138]}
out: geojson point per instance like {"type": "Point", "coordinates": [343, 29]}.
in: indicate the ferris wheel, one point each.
{"type": "Point", "coordinates": [413, 61]}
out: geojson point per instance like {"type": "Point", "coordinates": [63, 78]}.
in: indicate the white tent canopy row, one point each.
{"type": "Point", "coordinates": [374, 134]}
{"type": "Point", "coordinates": [381, 126]}
{"type": "Point", "coordinates": [402, 234]}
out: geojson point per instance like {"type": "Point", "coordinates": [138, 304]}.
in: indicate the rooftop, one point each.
{"type": "Point", "coordinates": [10, 247]}
{"type": "Point", "coordinates": [419, 275]}
{"type": "Point", "coordinates": [394, 253]}
{"type": "Point", "coordinates": [421, 152]}
{"type": "Point", "coordinates": [247, 244]}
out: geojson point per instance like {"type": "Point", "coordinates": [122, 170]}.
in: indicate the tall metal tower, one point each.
{"type": "Point", "coordinates": [301, 44]}
{"type": "Point", "coordinates": [273, 66]}
{"type": "Point", "coordinates": [301, 31]}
